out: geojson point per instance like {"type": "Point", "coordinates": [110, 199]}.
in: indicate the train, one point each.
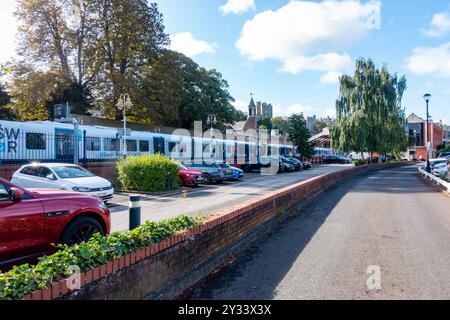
{"type": "Point", "coordinates": [46, 141]}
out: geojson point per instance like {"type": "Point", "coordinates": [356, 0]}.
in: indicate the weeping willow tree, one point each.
{"type": "Point", "coordinates": [370, 117]}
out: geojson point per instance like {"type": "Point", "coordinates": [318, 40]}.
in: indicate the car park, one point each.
{"type": "Point", "coordinates": [189, 177]}
{"type": "Point", "coordinates": [232, 173]}
{"type": "Point", "coordinates": [32, 220]}
{"type": "Point", "coordinates": [63, 176]}
{"type": "Point", "coordinates": [212, 172]}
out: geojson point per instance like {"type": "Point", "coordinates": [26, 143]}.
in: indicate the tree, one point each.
{"type": "Point", "coordinates": [370, 117]}
{"type": "Point", "coordinates": [282, 124]}
{"type": "Point", "coordinates": [265, 123]}
{"type": "Point", "coordinates": [300, 135]}
{"type": "Point", "coordinates": [5, 110]}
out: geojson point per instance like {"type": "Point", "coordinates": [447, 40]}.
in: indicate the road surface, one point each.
{"type": "Point", "coordinates": [391, 220]}
{"type": "Point", "coordinates": [212, 199]}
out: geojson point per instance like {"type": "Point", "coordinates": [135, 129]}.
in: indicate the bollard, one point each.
{"type": "Point", "coordinates": [135, 212]}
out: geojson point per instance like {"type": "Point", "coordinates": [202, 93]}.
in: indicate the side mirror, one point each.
{"type": "Point", "coordinates": [17, 194]}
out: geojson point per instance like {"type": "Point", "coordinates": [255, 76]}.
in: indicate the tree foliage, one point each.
{"type": "Point", "coordinates": [370, 117]}
{"type": "Point", "coordinates": [300, 135]}
{"type": "Point", "coordinates": [88, 53]}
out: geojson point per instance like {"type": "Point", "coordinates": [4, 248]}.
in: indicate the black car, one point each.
{"type": "Point", "coordinates": [285, 166]}
{"type": "Point", "coordinates": [294, 162]}
{"type": "Point", "coordinates": [334, 160]}
{"type": "Point", "coordinates": [307, 165]}
{"type": "Point", "coordinates": [444, 155]}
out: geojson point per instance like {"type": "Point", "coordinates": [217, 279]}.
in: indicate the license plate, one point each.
{"type": "Point", "coordinates": [229, 171]}
{"type": "Point", "coordinates": [104, 194]}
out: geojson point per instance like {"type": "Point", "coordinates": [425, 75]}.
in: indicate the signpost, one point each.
{"type": "Point", "coordinates": [62, 115]}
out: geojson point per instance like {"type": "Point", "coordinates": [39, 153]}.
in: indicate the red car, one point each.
{"type": "Point", "coordinates": [32, 220]}
{"type": "Point", "coordinates": [190, 177]}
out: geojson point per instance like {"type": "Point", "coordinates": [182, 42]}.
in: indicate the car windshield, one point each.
{"type": "Point", "coordinates": [181, 167]}
{"type": "Point", "coordinates": [72, 172]}
{"type": "Point", "coordinates": [225, 165]}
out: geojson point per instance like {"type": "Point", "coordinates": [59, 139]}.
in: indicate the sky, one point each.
{"type": "Point", "coordinates": [291, 53]}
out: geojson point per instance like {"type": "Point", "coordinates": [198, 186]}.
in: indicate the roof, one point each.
{"type": "Point", "coordinates": [323, 136]}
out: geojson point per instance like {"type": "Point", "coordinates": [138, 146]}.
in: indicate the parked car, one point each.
{"type": "Point", "coordinates": [334, 160]}
{"type": "Point", "coordinates": [307, 165]}
{"type": "Point", "coordinates": [437, 162]}
{"type": "Point", "coordinates": [31, 220]}
{"type": "Point", "coordinates": [294, 162]}
{"type": "Point", "coordinates": [285, 166]}
{"type": "Point", "coordinates": [444, 155]}
{"type": "Point", "coordinates": [440, 169]}
{"type": "Point", "coordinates": [232, 173]}
{"type": "Point", "coordinates": [211, 172]}
{"type": "Point", "coordinates": [63, 176]}
{"type": "Point", "coordinates": [189, 177]}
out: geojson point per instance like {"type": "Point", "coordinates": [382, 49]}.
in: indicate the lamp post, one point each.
{"type": "Point", "coordinates": [123, 104]}
{"type": "Point", "coordinates": [211, 121]}
{"type": "Point", "coordinates": [427, 98]}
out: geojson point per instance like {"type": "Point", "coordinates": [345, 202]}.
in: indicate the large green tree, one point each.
{"type": "Point", "coordinates": [300, 135]}
{"type": "Point", "coordinates": [370, 117]}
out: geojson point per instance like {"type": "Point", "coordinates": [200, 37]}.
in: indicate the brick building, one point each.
{"type": "Point", "coordinates": [417, 137]}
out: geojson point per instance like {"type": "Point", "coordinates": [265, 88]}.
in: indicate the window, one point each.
{"type": "Point", "coordinates": [72, 172]}
{"type": "Point", "coordinates": [30, 171]}
{"type": "Point", "coordinates": [4, 193]}
{"type": "Point", "coordinates": [144, 146]}
{"type": "Point", "coordinates": [35, 141]}
{"type": "Point", "coordinates": [172, 146]}
{"type": "Point", "coordinates": [131, 145]}
{"type": "Point", "coordinates": [93, 144]}
{"type": "Point", "coordinates": [111, 144]}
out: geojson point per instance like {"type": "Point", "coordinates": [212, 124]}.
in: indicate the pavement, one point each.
{"type": "Point", "coordinates": [210, 199]}
{"type": "Point", "coordinates": [390, 221]}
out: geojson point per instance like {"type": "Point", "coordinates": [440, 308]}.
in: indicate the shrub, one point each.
{"type": "Point", "coordinates": [147, 173]}
{"type": "Point", "coordinates": [360, 162]}
{"type": "Point", "coordinates": [25, 279]}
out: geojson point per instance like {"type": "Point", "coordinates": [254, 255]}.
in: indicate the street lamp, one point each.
{"type": "Point", "coordinates": [427, 98]}
{"type": "Point", "coordinates": [123, 104]}
{"type": "Point", "coordinates": [211, 121]}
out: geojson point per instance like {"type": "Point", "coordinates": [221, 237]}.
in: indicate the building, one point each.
{"type": "Point", "coordinates": [267, 110]}
{"type": "Point", "coordinates": [446, 135]}
{"type": "Point", "coordinates": [417, 137]}
{"type": "Point", "coordinates": [311, 124]}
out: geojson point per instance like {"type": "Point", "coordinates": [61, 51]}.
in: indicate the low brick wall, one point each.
{"type": "Point", "coordinates": [164, 270]}
{"type": "Point", "coordinates": [105, 170]}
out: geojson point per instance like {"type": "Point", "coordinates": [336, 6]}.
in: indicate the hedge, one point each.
{"type": "Point", "coordinates": [25, 279]}
{"type": "Point", "coordinates": [147, 173]}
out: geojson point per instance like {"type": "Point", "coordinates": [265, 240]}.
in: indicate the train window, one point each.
{"type": "Point", "coordinates": [35, 141]}
{"type": "Point", "coordinates": [111, 144]}
{"type": "Point", "coordinates": [172, 146]}
{"type": "Point", "coordinates": [93, 144]}
{"type": "Point", "coordinates": [131, 145]}
{"type": "Point", "coordinates": [144, 146]}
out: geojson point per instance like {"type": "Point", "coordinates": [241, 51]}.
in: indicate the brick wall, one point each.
{"type": "Point", "coordinates": [166, 269]}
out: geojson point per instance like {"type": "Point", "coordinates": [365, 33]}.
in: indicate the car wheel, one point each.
{"type": "Point", "coordinates": [81, 230]}
{"type": "Point", "coordinates": [208, 179]}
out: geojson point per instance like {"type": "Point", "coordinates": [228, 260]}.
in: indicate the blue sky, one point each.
{"type": "Point", "coordinates": [290, 53]}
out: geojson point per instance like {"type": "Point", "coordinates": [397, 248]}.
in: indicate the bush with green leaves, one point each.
{"type": "Point", "coordinates": [25, 279]}
{"type": "Point", "coordinates": [147, 173]}
{"type": "Point", "coordinates": [358, 163]}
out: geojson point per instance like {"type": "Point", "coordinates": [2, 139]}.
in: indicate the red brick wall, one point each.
{"type": "Point", "coordinates": [166, 269]}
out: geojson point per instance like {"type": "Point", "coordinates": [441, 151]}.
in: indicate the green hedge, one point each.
{"type": "Point", "coordinates": [147, 173]}
{"type": "Point", "coordinates": [360, 162]}
{"type": "Point", "coordinates": [25, 279]}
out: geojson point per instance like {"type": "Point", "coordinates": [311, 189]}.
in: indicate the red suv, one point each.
{"type": "Point", "coordinates": [32, 220]}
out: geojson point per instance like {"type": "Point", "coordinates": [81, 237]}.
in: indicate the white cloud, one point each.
{"type": "Point", "coordinates": [237, 6]}
{"type": "Point", "coordinates": [430, 60]}
{"type": "Point", "coordinates": [241, 105]}
{"type": "Point", "coordinates": [440, 25]}
{"type": "Point", "coordinates": [309, 35]}
{"type": "Point", "coordinates": [185, 43]}
{"type": "Point", "coordinates": [329, 112]}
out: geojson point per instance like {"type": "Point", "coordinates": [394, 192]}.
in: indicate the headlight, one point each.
{"type": "Point", "coordinates": [103, 205]}
{"type": "Point", "coordinates": [81, 189]}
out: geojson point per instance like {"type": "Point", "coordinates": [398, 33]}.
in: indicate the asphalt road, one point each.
{"type": "Point", "coordinates": [390, 219]}
{"type": "Point", "coordinates": [211, 199]}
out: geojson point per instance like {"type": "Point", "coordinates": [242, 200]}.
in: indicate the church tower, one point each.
{"type": "Point", "coordinates": [252, 108]}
